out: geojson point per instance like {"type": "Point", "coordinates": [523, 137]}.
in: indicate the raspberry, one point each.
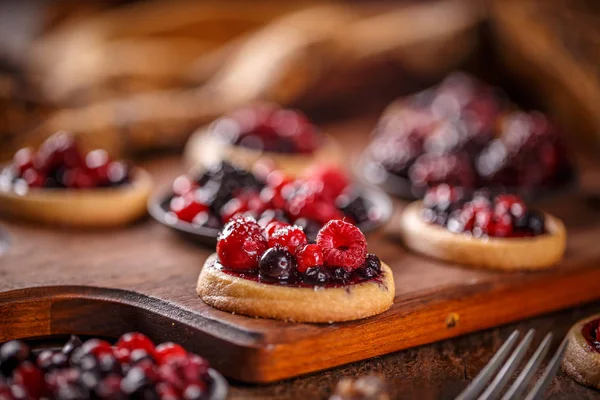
{"type": "Point", "coordinates": [233, 208]}
{"type": "Point", "coordinates": [503, 226]}
{"type": "Point", "coordinates": [182, 184]}
{"type": "Point", "coordinates": [241, 243]}
{"type": "Point", "coordinates": [309, 256]}
{"type": "Point", "coordinates": [273, 226]}
{"type": "Point", "coordinates": [509, 204]}
{"type": "Point", "coordinates": [288, 237]}
{"type": "Point", "coordinates": [23, 160]}
{"type": "Point", "coordinates": [314, 208]}
{"type": "Point", "coordinates": [483, 222]}
{"type": "Point", "coordinates": [186, 207]}
{"type": "Point", "coordinates": [333, 179]}
{"type": "Point", "coordinates": [343, 245]}
{"type": "Point", "coordinates": [250, 202]}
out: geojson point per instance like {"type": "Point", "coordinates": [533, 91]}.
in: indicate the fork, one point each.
{"type": "Point", "coordinates": [520, 385]}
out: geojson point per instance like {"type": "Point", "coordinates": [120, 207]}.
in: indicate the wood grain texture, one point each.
{"type": "Point", "coordinates": [142, 278]}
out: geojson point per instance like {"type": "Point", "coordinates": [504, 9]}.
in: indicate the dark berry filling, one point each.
{"type": "Point", "coordinates": [132, 368]}
{"type": "Point", "coordinates": [322, 194]}
{"type": "Point", "coordinates": [60, 163]}
{"type": "Point", "coordinates": [339, 258]}
{"type": "Point", "coordinates": [268, 128]}
{"type": "Point", "coordinates": [463, 133]}
{"type": "Point", "coordinates": [591, 333]}
{"type": "Point", "coordinates": [480, 213]}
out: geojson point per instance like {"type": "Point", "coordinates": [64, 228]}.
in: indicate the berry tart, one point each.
{"type": "Point", "coordinates": [582, 355]}
{"type": "Point", "coordinates": [60, 184]}
{"type": "Point", "coordinates": [464, 133]}
{"type": "Point", "coordinates": [263, 131]}
{"type": "Point", "coordinates": [276, 273]}
{"type": "Point", "coordinates": [131, 369]}
{"type": "Point", "coordinates": [482, 230]}
{"type": "Point", "coordinates": [322, 193]}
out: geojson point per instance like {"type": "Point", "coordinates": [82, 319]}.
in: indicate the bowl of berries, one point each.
{"type": "Point", "coordinates": [199, 206]}
{"type": "Point", "coordinates": [132, 368]}
{"type": "Point", "coordinates": [465, 133]}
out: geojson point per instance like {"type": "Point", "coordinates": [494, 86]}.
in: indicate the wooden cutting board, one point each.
{"type": "Point", "coordinates": [143, 277]}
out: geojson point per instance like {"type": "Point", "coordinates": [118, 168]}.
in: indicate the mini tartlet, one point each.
{"type": "Point", "coordinates": [464, 132]}
{"type": "Point", "coordinates": [481, 231]}
{"type": "Point", "coordinates": [276, 273]}
{"type": "Point", "coordinates": [58, 184]}
{"type": "Point", "coordinates": [285, 137]}
{"type": "Point", "coordinates": [582, 355]}
{"type": "Point", "coordinates": [322, 193]}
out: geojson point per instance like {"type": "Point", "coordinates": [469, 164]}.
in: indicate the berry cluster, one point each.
{"type": "Point", "coordinates": [266, 127]}
{"type": "Point", "coordinates": [591, 333]}
{"type": "Point", "coordinates": [131, 369]}
{"type": "Point", "coordinates": [481, 214]}
{"type": "Point", "coordinates": [281, 253]}
{"type": "Point", "coordinates": [323, 193]}
{"type": "Point", "coordinates": [59, 163]}
{"type": "Point", "coordinates": [463, 133]}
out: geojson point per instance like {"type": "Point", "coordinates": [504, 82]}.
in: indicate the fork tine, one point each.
{"type": "Point", "coordinates": [520, 384]}
{"type": "Point", "coordinates": [507, 370]}
{"type": "Point", "coordinates": [542, 384]}
{"type": "Point", "coordinates": [476, 386]}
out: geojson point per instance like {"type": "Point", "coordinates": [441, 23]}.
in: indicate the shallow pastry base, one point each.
{"type": "Point", "coordinates": [204, 150]}
{"type": "Point", "coordinates": [581, 362]}
{"type": "Point", "coordinates": [496, 253]}
{"type": "Point", "coordinates": [320, 305]}
{"type": "Point", "coordinates": [98, 207]}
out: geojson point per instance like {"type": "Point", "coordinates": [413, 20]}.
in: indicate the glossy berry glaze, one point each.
{"type": "Point", "coordinates": [283, 256]}
{"type": "Point", "coordinates": [480, 213]}
{"type": "Point", "coordinates": [60, 163]}
{"type": "Point", "coordinates": [591, 333]}
{"type": "Point", "coordinates": [464, 133]}
{"type": "Point", "coordinates": [322, 194]}
{"type": "Point", "coordinates": [131, 369]}
{"type": "Point", "coordinates": [266, 127]}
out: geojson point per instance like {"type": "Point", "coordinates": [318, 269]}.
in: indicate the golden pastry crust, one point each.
{"type": "Point", "coordinates": [320, 305]}
{"type": "Point", "coordinates": [581, 362]}
{"type": "Point", "coordinates": [204, 149]}
{"type": "Point", "coordinates": [98, 207]}
{"type": "Point", "coordinates": [528, 253]}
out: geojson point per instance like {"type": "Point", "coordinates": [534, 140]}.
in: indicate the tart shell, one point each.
{"type": "Point", "coordinates": [298, 304]}
{"type": "Point", "coordinates": [89, 208]}
{"type": "Point", "coordinates": [581, 362]}
{"type": "Point", "coordinates": [529, 253]}
{"type": "Point", "coordinates": [204, 149]}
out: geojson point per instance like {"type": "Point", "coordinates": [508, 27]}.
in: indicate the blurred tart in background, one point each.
{"type": "Point", "coordinates": [323, 192]}
{"type": "Point", "coordinates": [482, 230]}
{"type": "Point", "coordinates": [582, 355]}
{"type": "Point", "coordinates": [263, 131]}
{"type": "Point", "coordinates": [464, 133]}
{"type": "Point", "coordinates": [60, 184]}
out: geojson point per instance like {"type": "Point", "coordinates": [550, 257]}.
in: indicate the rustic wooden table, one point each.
{"type": "Point", "coordinates": [439, 370]}
{"type": "Point", "coordinates": [436, 371]}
